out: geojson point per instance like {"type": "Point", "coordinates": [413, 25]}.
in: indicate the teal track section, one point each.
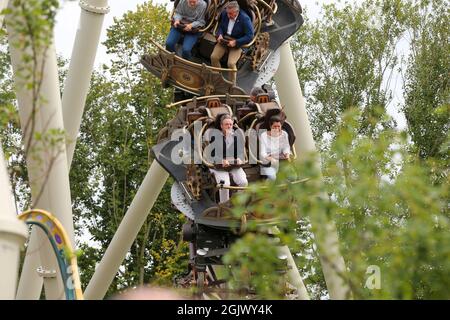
{"type": "Point", "coordinates": [60, 257]}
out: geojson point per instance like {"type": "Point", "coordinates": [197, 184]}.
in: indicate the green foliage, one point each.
{"type": "Point", "coordinates": [32, 22]}
{"type": "Point", "coordinates": [10, 134]}
{"type": "Point", "coordinates": [387, 211]}
{"type": "Point", "coordinates": [35, 20]}
{"type": "Point", "coordinates": [170, 259]}
{"type": "Point", "coordinates": [253, 264]}
{"type": "Point", "coordinates": [9, 117]}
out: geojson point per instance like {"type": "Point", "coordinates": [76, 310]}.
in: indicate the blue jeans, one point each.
{"type": "Point", "coordinates": [188, 42]}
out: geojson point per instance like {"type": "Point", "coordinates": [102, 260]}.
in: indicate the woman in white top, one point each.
{"type": "Point", "coordinates": [274, 146]}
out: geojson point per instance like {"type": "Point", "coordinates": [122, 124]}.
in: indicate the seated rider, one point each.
{"type": "Point", "coordinates": [227, 153]}
{"type": "Point", "coordinates": [235, 30]}
{"type": "Point", "coordinates": [274, 146]}
{"type": "Point", "coordinates": [188, 17]}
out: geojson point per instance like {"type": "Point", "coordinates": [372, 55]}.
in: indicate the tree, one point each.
{"type": "Point", "coordinates": [32, 22]}
{"type": "Point", "coordinates": [124, 112]}
{"type": "Point", "coordinates": [427, 86]}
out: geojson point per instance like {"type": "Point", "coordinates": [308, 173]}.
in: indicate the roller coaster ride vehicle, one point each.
{"type": "Point", "coordinates": [274, 22]}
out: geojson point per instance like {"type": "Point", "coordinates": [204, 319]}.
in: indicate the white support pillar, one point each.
{"type": "Point", "coordinates": [291, 98]}
{"type": "Point", "coordinates": [13, 234]}
{"type": "Point", "coordinates": [126, 233]}
{"type": "Point", "coordinates": [3, 5]}
{"type": "Point", "coordinates": [294, 275]}
{"type": "Point", "coordinates": [80, 70]}
{"type": "Point", "coordinates": [47, 165]}
{"type": "Point", "coordinates": [30, 284]}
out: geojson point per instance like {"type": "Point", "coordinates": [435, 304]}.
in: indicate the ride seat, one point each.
{"type": "Point", "coordinates": [213, 103]}
{"type": "Point", "coordinates": [193, 116]}
{"type": "Point", "coordinates": [268, 109]}
{"type": "Point", "coordinates": [214, 107]}
{"type": "Point", "coordinates": [263, 98]}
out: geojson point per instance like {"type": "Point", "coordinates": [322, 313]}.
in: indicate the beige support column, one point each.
{"type": "Point", "coordinates": [291, 98]}
{"type": "Point", "coordinates": [46, 159]}
{"type": "Point", "coordinates": [126, 233]}
{"type": "Point", "coordinates": [293, 274]}
{"type": "Point", "coordinates": [78, 79]}
{"type": "Point", "coordinates": [13, 234]}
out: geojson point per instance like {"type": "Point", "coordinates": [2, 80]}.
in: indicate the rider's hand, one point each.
{"type": "Point", "coordinates": [239, 161]}
{"type": "Point", "coordinates": [176, 23]}
{"type": "Point", "coordinates": [188, 27]}
{"type": "Point", "coordinates": [219, 38]}
{"type": "Point", "coordinates": [225, 163]}
{"type": "Point", "coordinates": [232, 43]}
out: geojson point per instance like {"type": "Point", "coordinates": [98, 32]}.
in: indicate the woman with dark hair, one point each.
{"type": "Point", "coordinates": [274, 146]}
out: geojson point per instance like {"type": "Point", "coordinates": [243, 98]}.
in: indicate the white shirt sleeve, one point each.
{"type": "Point", "coordinates": [264, 153]}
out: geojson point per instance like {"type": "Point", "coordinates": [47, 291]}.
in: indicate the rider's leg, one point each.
{"type": "Point", "coordinates": [172, 39]}
{"type": "Point", "coordinates": [190, 39]}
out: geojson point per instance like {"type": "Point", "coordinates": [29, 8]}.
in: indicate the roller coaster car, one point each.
{"type": "Point", "coordinates": [274, 22]}
{"type": "Point", "coordinates": [211, 227]}
{"type": "Point", "coordinates": [195, 192]}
